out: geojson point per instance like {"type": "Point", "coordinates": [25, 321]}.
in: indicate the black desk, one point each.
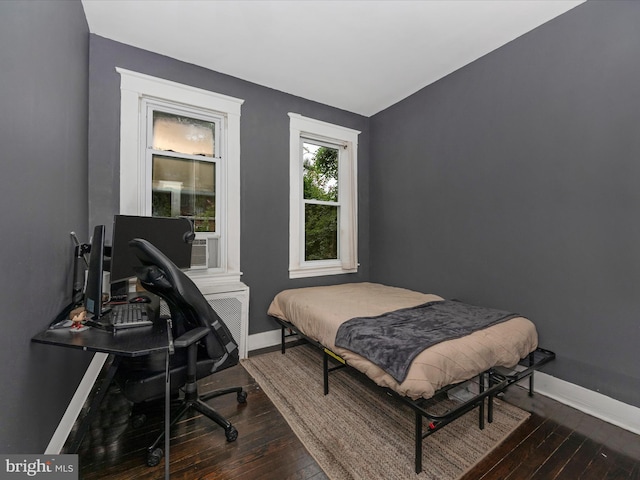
{"type": "Point", "coordinates": [132, 342]}
{"type": "Point", "coordinates": [128, 342]}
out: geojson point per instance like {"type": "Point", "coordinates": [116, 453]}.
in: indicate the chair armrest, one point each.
{"type": "Point", "coordinates": [191, 337]}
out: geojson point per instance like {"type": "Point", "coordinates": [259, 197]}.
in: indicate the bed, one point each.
{"type": "Point", "coordinates": [320, 314]}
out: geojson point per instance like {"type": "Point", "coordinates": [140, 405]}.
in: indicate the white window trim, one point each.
{"type": "Point", "coordinates": [299, 127]}
{"type": "Point", "coordinates": [134, 87]}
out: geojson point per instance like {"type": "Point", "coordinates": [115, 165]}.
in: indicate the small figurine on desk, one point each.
{"type": "Point", "coordinates": [78, 316]}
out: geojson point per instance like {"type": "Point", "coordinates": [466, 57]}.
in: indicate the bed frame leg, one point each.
{"type": "Point", "coordinates": [481, 407]}
{"type": "Point", "coordinates": [531, 385]}
{"type": "Point", "coordinates": [418, 442]}
{"type": "Point", "coordinates": [282, 340]}
{"type": "Point", "coordinates": [325, 371]}
{"type": "Point", "coordinates": [531, 363]}
{"type": "Point", "coordinates": [490, 400]}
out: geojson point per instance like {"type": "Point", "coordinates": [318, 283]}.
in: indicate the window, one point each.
{"type": "Point", "coordinates": [323, 209]}
{"type": "Point", "coordinates": [180, 156]}
{"type": "Point", "coordinates": [183, 151]}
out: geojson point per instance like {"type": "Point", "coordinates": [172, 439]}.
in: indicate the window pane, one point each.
{"type": "Point", "coordinates": [185, 188]}
{"type": "Point", "coordinates": [320, 232]}
{"type": "Point", "coordinates": [320, 172]}
{"type": "Point", "coordinates": [175, 133]}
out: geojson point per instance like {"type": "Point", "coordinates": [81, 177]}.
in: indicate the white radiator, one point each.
{"type": "Point", "coordinates": [231, 303]}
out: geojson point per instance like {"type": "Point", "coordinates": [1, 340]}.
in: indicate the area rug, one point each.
{"type": "Point", "coordinates": [360, 432]}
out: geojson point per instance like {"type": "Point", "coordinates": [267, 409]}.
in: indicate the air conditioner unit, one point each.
{"type": "Point", "coordinates": [199, 253]}
{"type": "Point", "coordinates": [204, 253]}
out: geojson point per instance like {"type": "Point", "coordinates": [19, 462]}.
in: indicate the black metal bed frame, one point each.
{"type": "Point", "coordinates": [491, 383]}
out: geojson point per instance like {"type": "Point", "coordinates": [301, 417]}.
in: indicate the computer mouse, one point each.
{"type": "Point", "coordinates": [140, 299]}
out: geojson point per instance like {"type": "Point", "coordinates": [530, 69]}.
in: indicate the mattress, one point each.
{"type": "Point", "coordinates": [318, 312]}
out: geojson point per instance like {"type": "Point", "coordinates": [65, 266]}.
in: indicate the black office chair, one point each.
{"type": "Point", "coordinates": [203, 345]}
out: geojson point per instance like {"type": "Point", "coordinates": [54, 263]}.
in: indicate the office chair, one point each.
{"type": "Point", "coordinates": [203, 345]}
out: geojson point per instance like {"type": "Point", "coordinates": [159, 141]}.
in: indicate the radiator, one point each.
{"type": "Point", "coordinates": [232, 305]}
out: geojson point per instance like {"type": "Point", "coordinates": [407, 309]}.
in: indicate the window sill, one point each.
{"type": "Point", "coordinates": [319, 271]}
{"type": "Point", "coordinates": [203, 278]}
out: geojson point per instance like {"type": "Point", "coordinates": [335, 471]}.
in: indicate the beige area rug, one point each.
{"type": "Point", "coordinates": [360, 432]}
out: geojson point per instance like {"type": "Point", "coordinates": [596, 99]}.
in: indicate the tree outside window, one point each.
{"type": "Point", "coordinates": [320, 192]}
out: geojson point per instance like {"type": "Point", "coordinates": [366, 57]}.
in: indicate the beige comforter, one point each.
{"type": "Point", "coordinates": [318, 312]}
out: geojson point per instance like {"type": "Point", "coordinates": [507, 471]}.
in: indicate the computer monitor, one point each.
{"type": "Point", "coordinates": [172, 236]}
{"type": "Point", "coordinates": [93, 288]}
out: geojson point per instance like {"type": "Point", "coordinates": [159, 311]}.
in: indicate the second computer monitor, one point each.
{"type": "Point", "coordinates": [172, 236]}
{"type": "Point", "coordinates": [93, 288]}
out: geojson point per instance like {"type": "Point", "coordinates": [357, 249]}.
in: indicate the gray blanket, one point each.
{"type": "Point", "coordinates": [392, 340]}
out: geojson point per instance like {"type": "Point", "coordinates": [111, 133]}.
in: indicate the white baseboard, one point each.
{"type": "Point", "coordinates": [264, 340]}
{"type": "Point", "coordinates": [590, 402]}
{"type": "Point", "coordinates": [75, 405]}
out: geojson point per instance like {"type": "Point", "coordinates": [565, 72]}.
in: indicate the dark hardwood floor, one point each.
{"type": "Point", "coordinates": [556, 442]}
{"type": "Point", "coordinates": [559, 442]}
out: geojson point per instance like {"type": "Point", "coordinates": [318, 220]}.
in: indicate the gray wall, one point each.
{"type": "Point", "coordinates": [264, 144]}
{"type": "Point", "coordinates": [44, 51]}
{"type": "Point", "coordinates": [514, 183]}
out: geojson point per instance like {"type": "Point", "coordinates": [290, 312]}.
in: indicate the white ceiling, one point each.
{"type": "Point", "coordinates": [357, 55]}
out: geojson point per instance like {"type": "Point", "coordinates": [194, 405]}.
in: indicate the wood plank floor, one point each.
{"type": "Point", "coordinates": [557, 442]}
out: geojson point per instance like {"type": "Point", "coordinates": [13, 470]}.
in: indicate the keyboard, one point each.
{"type": "Point", "coordinates": [127, 315]}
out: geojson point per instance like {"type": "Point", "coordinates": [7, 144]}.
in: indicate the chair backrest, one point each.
{"type": "Point", "coordinates": [189, 309]}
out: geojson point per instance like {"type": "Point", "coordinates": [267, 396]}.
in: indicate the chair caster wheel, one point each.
{"type": "Point", "coordinates": [153, 458]}
{"type": "Point", "coordinates": [138, 420]}
{"type": "Point", "coordinates": [242, 397]}
{"type": "Point", "coordinates": [231, 433]}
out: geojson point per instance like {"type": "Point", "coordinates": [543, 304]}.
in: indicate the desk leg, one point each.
{"type": "Point", "coordinates": [167, 415]}
{"type": "Point", "coordinates": [95, 404]}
